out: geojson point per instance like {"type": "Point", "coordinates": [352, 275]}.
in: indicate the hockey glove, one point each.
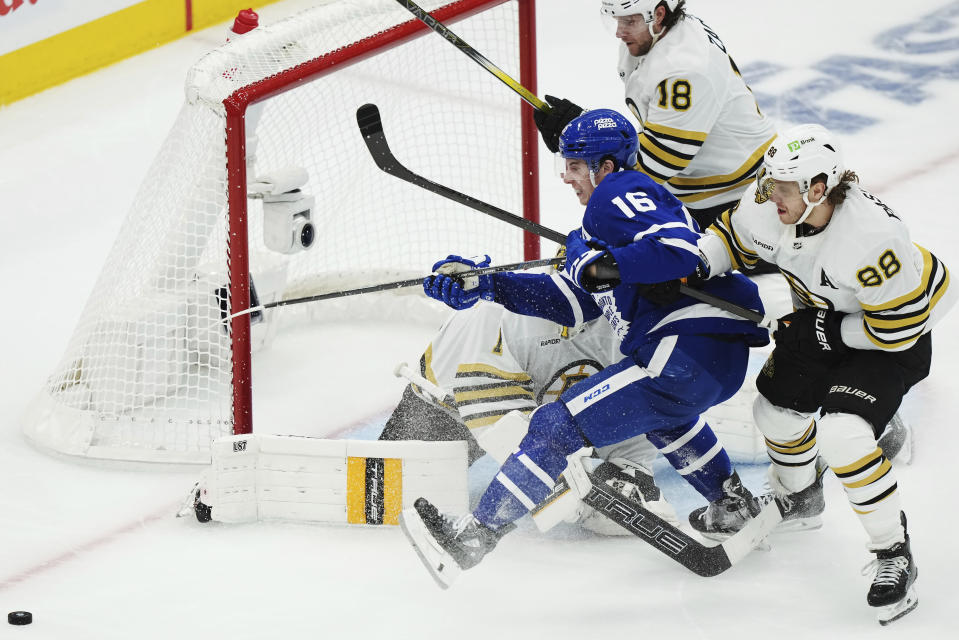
{"type": "Point", "coordinates": [459, 293]}
{"type": "Point", "coordinates": [666, 293]}
{"type": "Point", "coordinates": [812, 331]}
{"type": "Point", "coordinates": [590, 264]}
{"type": "Point", "coordinates": [552, 123]}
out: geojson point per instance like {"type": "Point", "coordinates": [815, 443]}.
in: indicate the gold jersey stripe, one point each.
{"type": "Point", "coordinates": [467, 369]}
{"type": "Point", "coordinates": [693, 137]}
{"type": "Point", "coordinates": [906, 322]}
{"type": "Point", "coordinates": [491, 394]}
{"type": "Point", "coordinates": [891, 344]}
{"type": "Point", "coordinates": [859, 464]}
{"type": "Point", "coordinates": [746, 169]}
{"type": "Point", "coordinates": [738, 254]}
{"type": "Point", "coordinates": [661, 156]}
{"type": "Point", "coordinates": [696, 197]}
{"type": "Point", "coordinates": [428, 365]}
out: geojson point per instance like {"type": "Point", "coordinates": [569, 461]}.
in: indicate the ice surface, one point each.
{"type": "Point", "coordinates": [96, 553]}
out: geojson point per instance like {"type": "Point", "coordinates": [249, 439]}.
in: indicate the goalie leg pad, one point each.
{"type": "Point", "coordinates": [257, 477]}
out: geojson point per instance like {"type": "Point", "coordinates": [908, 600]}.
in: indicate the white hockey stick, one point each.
{"type": "Point", "coordinates": [440, 394]}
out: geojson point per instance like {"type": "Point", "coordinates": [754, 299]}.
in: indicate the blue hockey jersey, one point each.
{"type": "Point", "coordinates": [653, 239]}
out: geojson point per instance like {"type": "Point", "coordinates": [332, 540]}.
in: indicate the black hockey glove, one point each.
{"type": "Point", "coordinates": [812, 331]}
{"type": "Point", "coordinates": [666, 293]}
{"type": "Point", "coordinates": [551, 124]}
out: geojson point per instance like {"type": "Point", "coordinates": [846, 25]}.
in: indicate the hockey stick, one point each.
{"type": "Point", "coordinates": [666, 538]}
{"type": "Point", "coordinates": [473, 54]}
{"type": "Point", "coordinates": [532, 264]}
{"type": "Point", "coordinates": [371, 127]}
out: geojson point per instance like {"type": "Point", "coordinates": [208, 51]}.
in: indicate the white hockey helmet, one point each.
{"type": "Point", "coordinates": [645, 8]}
{"type": "Point", "coordinates": [801, 153]}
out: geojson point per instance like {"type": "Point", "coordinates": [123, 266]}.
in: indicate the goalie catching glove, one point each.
{"type": "Point", "coordinates": [459, 293]}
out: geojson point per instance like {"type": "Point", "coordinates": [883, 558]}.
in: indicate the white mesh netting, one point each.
{"type": "Point", "coordinates": [147, 374]}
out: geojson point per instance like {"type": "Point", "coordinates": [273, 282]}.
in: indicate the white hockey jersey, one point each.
{"type": "Point", "coordinates": [863, 263]}
{"type": "Point", "coordinates": [703, 134]}
{"type": "Point", "coordinates": [495, 361]}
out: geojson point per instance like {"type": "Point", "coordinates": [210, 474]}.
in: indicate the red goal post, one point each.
{"type": "Point", "coordinates": [152, 373]}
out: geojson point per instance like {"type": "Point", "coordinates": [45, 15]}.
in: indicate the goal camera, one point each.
{"type": "Point", "coordinates": [287, 221]}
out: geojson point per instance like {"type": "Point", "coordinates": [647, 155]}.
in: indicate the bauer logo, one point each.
{"type": "Point", "coordinates": [852, 391]}
{"type": "Point", "coordinates": [605, 123]}
{"type": "Point", "coordinates": [239, 445]}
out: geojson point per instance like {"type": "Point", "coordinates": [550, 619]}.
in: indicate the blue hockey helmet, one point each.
{"type": "Point", "coordinates": [599, 134]}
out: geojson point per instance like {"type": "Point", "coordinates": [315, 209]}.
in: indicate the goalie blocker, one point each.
{"type": "Point", "coordinates": [269, 477]}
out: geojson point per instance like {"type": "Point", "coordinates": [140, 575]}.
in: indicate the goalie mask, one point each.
{"type": "Point", "coordinates": [597, 135]}
{"type": "Point", "coordinates": [799, 155]}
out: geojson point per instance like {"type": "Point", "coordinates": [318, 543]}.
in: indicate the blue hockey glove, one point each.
{"type": "Point", "coordinates": [580, 254]}
{"type": "Point", "coordinates": [455, 292]}
{"type": "Point", "coordinates": [816, 332]}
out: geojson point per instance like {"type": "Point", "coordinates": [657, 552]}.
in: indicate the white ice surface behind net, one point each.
{"type": "Point", "coordinates": [96, 553]}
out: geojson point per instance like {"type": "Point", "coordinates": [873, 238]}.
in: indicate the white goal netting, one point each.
{"type": "Point", "coordinates": [149, 372]}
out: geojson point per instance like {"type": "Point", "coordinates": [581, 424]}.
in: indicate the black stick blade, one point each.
{"type": "Point", "coordinates": [368, 118]}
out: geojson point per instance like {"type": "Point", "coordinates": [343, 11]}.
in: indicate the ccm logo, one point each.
{"type": "Point", "coordinates": [597, 392]}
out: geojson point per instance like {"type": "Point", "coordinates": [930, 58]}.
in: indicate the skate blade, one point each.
{"type": "Point", "coordinates": [891, 613]}
{"type": "Point", "coordinates": [799, 524]}
{"type": "Point", "coordinates": [439, 563]}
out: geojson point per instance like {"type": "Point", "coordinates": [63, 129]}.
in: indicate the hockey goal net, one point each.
{"type": "Point", "coordinates": [153, 372]}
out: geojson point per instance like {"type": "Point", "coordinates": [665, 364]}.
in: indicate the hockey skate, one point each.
{"type": "Point", "coordinates": [193, 504]}
{"type": "Point", "coordinates": [634, 482]}
{"type": "Point", "coordinates": [723, 517]}
{"type": "Point", "coordinates": [896, 440]}
{"type": "Point", "coordinates": [446, 546]}
{"type": "Point", "coordinates": [893, 591]}
{"type": "Point", "coordinates": [802, 510]}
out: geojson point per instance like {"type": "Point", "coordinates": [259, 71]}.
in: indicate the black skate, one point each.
{"type": "Point", "coordinates": [193, 504]}
{"type": "Point", "coordinates": [802, 510]}
{"type": "Point", "coordinates": [447, 546]}
{"type": "Point", "coordinates": [723, 517]}
{"type": "Point", "coordinates": [893, 592]}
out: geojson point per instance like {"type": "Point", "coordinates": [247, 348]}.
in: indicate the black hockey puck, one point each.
{"type": "Point", "coordinates": [19, 617]}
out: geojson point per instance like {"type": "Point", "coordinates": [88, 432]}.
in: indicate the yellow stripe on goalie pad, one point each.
{"type": "Point", "coordinates": [337, 481]}
{"type": "Point", "coordinates": [374, 493]}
